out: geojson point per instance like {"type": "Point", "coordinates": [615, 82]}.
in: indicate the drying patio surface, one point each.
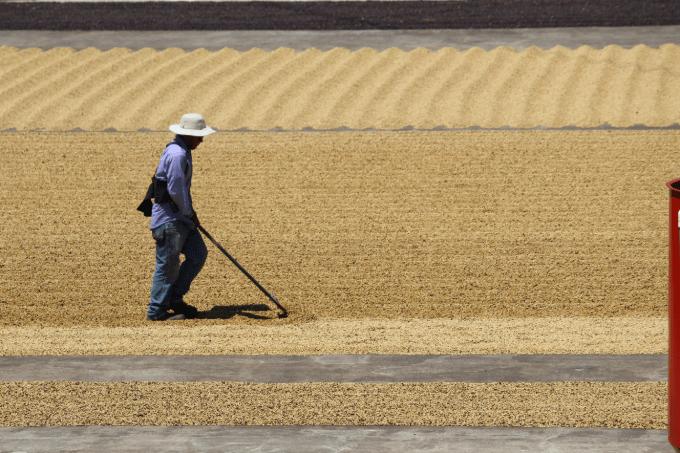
{"type": "Point", "coordinates": [377, 242]}
{"type": "Point", "coordinates": [568, 335]}
{"type": "Point", "coordinates": [62, 89]}
{"type": "Point", "coordinates": [492, 278]}
{"type": "Point", "coordinates": [566, 404]}
{"type": "Point", "coordinates": [350, 226]}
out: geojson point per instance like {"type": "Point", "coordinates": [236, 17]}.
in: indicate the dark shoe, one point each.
{"type": "Point", "coordinates": [167, 317]}
{"type": "Point", "coordinates": [181, 307]}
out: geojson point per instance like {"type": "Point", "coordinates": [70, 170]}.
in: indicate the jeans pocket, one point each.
{"type": "Point", "coordinates": [174, 238]}
{"type": "Point", "coordinates": [159, 235]}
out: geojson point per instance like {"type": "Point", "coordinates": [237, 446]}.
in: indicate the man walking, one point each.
{"type": "Point", "coordinates": [174, 224]}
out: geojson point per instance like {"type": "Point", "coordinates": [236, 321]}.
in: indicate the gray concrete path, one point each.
{"type": "Point", "coordinates": [352, 39]}
{"type": "Point", "coordinates": [334, 439]}
{"type": "Point", "coordinates": [338, 368]}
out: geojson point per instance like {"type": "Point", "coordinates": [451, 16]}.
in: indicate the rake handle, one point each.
{"type": "Point", "coordinates": [243, 269]}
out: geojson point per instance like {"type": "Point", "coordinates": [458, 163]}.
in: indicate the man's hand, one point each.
{"type": "Point", "coordinates": [194, 218]}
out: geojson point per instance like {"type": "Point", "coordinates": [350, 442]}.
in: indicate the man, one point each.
{"type": "Point", "coordinates": [174, 224]}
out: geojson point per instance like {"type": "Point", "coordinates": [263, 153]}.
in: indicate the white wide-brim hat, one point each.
{"type": "Point", "coordinates": [192, 124]}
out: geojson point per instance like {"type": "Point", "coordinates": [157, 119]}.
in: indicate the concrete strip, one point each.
{"type": "Point", "coordinates": [338, 368]}
{"type": "Point", "coordinates": [334, 439]}
{"type": "Point", "coordinates": [520, 38]}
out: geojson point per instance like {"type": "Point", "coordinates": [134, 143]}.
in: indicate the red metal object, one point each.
{"type": "Point", "coordinates": [674, 313]}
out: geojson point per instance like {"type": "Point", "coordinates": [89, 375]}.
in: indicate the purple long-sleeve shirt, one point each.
{"type": "Point", "coordinates": [175, 167]}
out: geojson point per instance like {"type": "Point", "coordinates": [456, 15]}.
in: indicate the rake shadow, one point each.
{"type": "Point", "coordinates": [229, 311]}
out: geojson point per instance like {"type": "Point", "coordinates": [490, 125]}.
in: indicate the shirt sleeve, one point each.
{"type": "Point", "coordinates": [177, 184]}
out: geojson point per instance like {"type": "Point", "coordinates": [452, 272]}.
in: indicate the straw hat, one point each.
{"type": "Point", "coordinates": [192, 124]}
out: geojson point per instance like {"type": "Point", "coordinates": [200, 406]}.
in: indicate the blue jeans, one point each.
{"type": "Point", "coordinates": [170, 280]}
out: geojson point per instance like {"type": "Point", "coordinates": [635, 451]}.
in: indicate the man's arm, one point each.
{"type": "Point", "coordinates": [177, 184]}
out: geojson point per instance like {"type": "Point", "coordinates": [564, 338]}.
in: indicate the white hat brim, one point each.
{"type": "Point", "coordinates": [193, 132]}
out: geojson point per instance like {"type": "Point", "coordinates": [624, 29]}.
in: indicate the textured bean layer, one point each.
{"type": "Point", "coordinates": [361, 336]}
{"type": "Point", "coordinates": [62, 89]}
{"type": "Point", "coordinates": [345, 225]}
{"type": "Point", "coordinates": [573, 404]}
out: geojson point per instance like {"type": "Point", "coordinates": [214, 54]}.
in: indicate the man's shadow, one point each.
{"type": "Point", "coordinates": [229, 311]}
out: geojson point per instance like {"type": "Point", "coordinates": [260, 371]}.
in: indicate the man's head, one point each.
{"type": "Point", "coordinates": [192, 129]}
{"type": "Point", "coordinates": [191, 141]}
